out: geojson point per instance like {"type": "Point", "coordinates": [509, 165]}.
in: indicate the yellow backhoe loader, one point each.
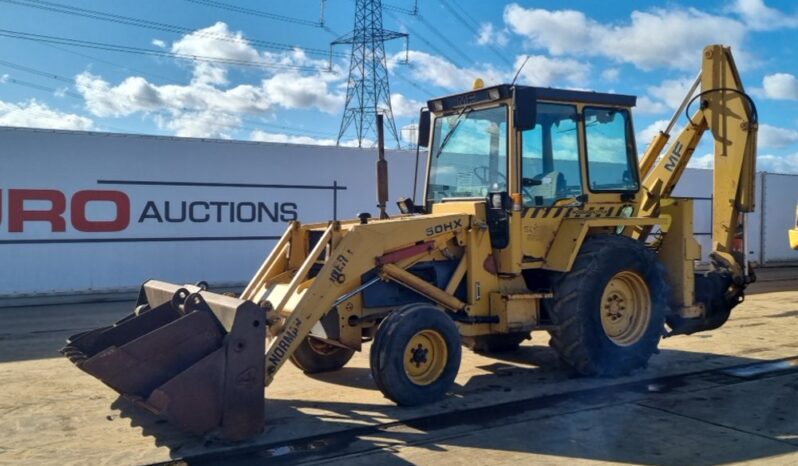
{"type": "Point", "coordinates": [536, 215]}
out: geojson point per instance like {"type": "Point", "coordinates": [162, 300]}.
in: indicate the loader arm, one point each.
{"type": "Point", "coordinates": [357, 251]}
{"type": "Point", "coordinates": [726, 110]}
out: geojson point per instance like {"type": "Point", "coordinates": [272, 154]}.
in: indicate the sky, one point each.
{"type": "Point", "coordinates": [270, 77]}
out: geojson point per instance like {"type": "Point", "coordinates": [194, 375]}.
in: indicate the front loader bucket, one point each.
{"type": "Point", "coordinates": [194, 357]}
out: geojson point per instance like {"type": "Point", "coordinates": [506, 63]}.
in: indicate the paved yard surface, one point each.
{"type": "Point", "coordinates": [690, 406]}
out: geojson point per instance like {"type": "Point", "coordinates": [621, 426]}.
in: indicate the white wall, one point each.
{"type": "Point", "coordinates": [776, 207]}
{"type": "Point", "coordinates": [40, 261]}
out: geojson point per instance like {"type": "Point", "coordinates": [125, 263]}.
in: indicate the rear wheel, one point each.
{"type": "Point", "coordinates": [314, 356]}
{"type": "Point", "coordinates": [416, 355]}
{"type": "Point", "coordinates": [610, 309]}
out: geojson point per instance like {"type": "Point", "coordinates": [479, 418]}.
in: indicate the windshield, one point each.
{"type": "Point", "coordinates": [468, 154]}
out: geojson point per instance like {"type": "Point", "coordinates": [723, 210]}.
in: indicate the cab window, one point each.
{"type": "Point", "coordinates": [468, 157]}
{"type": "Point", "coordinates": [550, 156]}
{"type": "Point", "coordinates": [611, 163]}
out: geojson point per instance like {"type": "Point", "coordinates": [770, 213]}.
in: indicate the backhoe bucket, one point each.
{"type": "Point", "coordinates": [194, 357]}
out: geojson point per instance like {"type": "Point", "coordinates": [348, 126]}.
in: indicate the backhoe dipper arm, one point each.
{"type": "Point", "coordinates": [730, 115]}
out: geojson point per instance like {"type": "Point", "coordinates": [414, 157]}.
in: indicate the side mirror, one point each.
{"type": "Point", "coordinates": [525, 108]}
{"type": "Point", "coordinates": [424, 121]}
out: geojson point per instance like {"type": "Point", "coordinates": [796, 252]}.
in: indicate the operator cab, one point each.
{"type": "Point", "coordinates": [553, 146]}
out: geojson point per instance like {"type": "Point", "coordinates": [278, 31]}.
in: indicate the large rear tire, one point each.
{"type": "Point", "coordinates": [416, 355]}
{"type": "Point", "coordinates": [610, 309]}
{"type": "Point", "coordinates": [314, 356]}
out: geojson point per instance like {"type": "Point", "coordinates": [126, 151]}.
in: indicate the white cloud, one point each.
{"type": "Point", "coordinates": [291, 90]}
{"type": "Point", "coordinates": [680, 34]}
{"type": "Point", "coordinates": [539, 71]}
{"type": "Point", "coordinates": [264, 136]}
{"type": "Point", "coordinates": [438, 71]}
{"type": "Point", "coordinates": [648, 106]}
{"type": "Point", "coordinates": [761, 17]}
{"type": "Point", "coordinates": [704, 161]}
{"type": "Point", "coordinates": [159, 43]}
{"type": "Point", "coordinates": [202, 124]}
{"type": "Point", "coordinates": [544, 71]}
{"type": "Point", "coordinates": [409, 133]}
{"type": "Point", "coordinates": [672, 91]}
{"type": "Point", "coordinates": [404, 107]}
{"type": "Point", "coordinates": [780, 86]}
{"type": "Point", "coordinates": [774, 137]}
{"type": "Point", "coordinates": [777, 163]}
{"type": "Point", "coordinates": [207, 106]}
{"type": "Point", "coordinates": [646, 135]}
{"type": "Point", "coordinates": [610, 74]}
{"type": "Point", "coordinates": [205, 42]}
{"type": "Point", "coordinates": [34, 114]}
{"type": "Point", "coordinates": [488, 35]}
{"type": "Point", "coordinates": [131, 95]}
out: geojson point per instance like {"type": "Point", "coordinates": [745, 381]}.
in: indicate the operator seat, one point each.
{"type": "Point", "coordinates": [551, 186]}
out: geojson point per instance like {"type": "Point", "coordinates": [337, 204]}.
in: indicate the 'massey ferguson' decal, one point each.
{"type": "Point", "coordinates": [443, 227]}
{"type": "Point", "coordinates": [53, 207]}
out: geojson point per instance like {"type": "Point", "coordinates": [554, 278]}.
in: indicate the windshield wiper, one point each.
{"type": "Point", "coordinates": [451, 131]}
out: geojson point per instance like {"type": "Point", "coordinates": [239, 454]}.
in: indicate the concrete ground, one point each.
{"type": "Point", "coordinates": [692, 405]}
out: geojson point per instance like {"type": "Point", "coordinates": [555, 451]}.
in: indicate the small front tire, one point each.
{"type": "Point", "coordinates": [416, 355]}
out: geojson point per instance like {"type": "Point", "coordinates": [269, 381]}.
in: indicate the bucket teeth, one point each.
{"type": "Point", "coordinates": [189, 355]}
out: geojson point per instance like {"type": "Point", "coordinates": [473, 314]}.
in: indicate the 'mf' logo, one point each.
{"type": "Point", "coordinates": [50, 206]}
{"type": "Point", "coordinates": [674, 156]}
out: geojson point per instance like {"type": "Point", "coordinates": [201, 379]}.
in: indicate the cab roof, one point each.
{"type": "Point", "coordinates": [523, 93]}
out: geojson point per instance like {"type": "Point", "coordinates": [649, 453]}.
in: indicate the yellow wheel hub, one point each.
{"type": "Point", "coordinates": [625, 308]}
{"type": "Point", "coordinates": [425, 357]}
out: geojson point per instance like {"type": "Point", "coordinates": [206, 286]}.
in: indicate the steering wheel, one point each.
{"type": "Point", "coordinates": [486, 171]}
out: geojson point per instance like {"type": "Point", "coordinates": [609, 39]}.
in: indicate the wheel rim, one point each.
{"type": "Point", "coordinates": [425, 357]}
{"type": "Point", "coordinates": [625, 308]}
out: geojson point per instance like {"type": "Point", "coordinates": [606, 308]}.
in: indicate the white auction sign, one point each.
{"type": "Point", "coordinates": [93, 213]}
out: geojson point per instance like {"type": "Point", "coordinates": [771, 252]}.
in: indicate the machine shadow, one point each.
{"type": "Point", "coordinates": [575, 418]}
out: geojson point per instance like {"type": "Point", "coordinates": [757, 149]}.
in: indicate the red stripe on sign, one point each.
{"type": "Point", "coordinates": [404, 253]}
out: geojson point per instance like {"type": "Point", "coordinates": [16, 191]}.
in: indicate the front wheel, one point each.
{"type": "Point", "coordinates": [416, 355]}
{"type": "Point", "coordinates": [610, 308]}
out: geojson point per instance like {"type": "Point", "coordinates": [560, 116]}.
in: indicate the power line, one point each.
{"type": "Point", "coordinates": [398, 9]}
{"type": "Point", "coordinates": [108, 62]}
{"type": "Point", "coordinates": [158, 53]}
{"type": "Point", "coordinates": [442, 36]}
{"type": "Point", "coordinates": [158, 26]}
{"type": "Point", "coordinates": [35, 71]}
{"type": "Point", "coordinates": [429, 44]}
{"type": "Point", "coordinates": [38, 87]}
{"type": "Point", "coordinates": [474, 28]}
{"type": "Point", "coordinates": [260, 13]}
